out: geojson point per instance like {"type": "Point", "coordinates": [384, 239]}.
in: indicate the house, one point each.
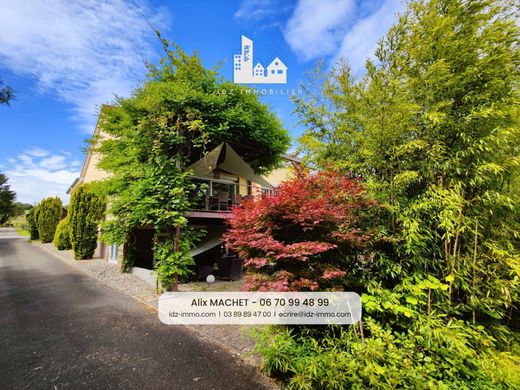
{"type": "Point", "coordinates": [244, 73]}
{"type": "Point", "coordinates": [227, 178]}
{"type": "Point", "coordinates": [259, 70]}
{"type": "Point", "coordinates": [277, 71]}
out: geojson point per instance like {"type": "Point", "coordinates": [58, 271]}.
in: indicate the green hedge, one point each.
{"type": "Point", "coordinates": [62, 235]}
{"type": "Point", "coordinates": [31, 222]}
{"type": "Point", "coordinates": [48, 215]}
{"type": "Point", "coordinates": [85, 212]}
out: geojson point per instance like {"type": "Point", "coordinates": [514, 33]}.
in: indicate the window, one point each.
{"type": "Point", "coordinates": [280, 71]}
{"type": "Point", "coordinates": [113, 253]}
{"type": "Point", "coordinates": [272, 71]}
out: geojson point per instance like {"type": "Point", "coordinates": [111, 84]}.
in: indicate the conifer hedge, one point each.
{"type": "Point", "coordinates": [85, 213]}
{"type": "Point", "coordinates": [62, 235]}
{"type": "Point", "coordinates": [31, 222]}
{"type": "Point", "coordinates": [48, 214]}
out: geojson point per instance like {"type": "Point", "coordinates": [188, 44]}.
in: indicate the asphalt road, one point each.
{"type": "Point", "coordinates": [59, 328]}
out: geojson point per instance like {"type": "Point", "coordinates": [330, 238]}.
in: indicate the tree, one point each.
{"type": "Point", "coordinates": [182, 111]}
{"type": "Point", "coordinates": [6, 93]}
{"type": "Point", "coordinates": [48, 214]}
{"type": "Point", "coordinates": [21, 208]}
{"type": "Point", "coordinates": [433, 128]}
{"type": "Point", "coordinates": [85, 213]}
{"type": "Point", "coordinates": [31, 221]}
{"type": "Point", "coordinates": [62, 235]}
{"type": "Point", "coordinates": [307, 236]}
{"type": "Point", "coordinates": [6, 200]}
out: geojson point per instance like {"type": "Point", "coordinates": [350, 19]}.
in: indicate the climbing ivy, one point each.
{"type": "Point", "coordinates": [178, 114]}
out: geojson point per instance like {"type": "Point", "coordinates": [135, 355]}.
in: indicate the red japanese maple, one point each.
{"type": "Point", "coordinates": [304, 237]}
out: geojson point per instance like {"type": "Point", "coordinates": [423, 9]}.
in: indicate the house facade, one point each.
{"type": "Point", "coordinates": [227, 178]}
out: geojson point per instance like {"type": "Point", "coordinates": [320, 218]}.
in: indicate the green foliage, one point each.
{"type": "Point", "coordinates": [20, 208]}
{"type": "Point", "coordinates": [47, 216]}
{"type": "Point", "coordinates": [7, 208]}
{"type": "Point", "coordinates": [85, 212]}
{"type": "Point", "coordinates": [179, 114]}
{"type": "Point", "coordinates": [32, 225]}
{"type": "Point", "coordinates": [432, 128]}
{"type": "Point", "coordinates": [172, 264]}
{"type": "Point", "coordinates": [62, 235]}
{"type": "Point", "coordinates": [129, 257]}
{"type": "Point", "coordinates": [173, 260]}
{"type": "Point", "coordinates": [431, 354]}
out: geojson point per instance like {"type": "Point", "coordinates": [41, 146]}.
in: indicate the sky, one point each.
{"type": "Point", "coordinates": [65, 58]}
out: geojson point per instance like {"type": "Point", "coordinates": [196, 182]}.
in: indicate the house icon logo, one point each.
{"type": "Point", "coordinates": [245, 73]}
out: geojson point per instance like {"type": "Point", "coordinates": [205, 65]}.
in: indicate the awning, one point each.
{"type": "Point", "coordinates": [225, 158]}
{"type": "Point", "coordinates": [206, 246]}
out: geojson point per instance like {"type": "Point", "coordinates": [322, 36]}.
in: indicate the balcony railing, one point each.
{"type": "Point", "coordinates": [221, 195]}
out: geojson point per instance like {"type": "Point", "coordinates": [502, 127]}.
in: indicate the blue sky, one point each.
{"type": "Point", "coordinates": [65, 58]}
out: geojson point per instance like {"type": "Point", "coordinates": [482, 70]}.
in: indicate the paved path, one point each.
{"type": "Point", "coordinates": [59, 328]}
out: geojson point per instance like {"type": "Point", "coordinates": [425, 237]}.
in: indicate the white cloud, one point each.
{"type": "Point", "coordinates": [255, 9]}
{"type": "Point", "coordinates": [335, 29]}
{"type": "Point", "coordinates": [37, 152]}
{"type": "Point", "coordinates": [315, 28]}
{"type": "Point", "coordinates": [53, 162]}
{"type": "Point", "coordinates": [82, 51]}
{"type": "Point", "coordinates": [26, 160]}
{"type": "Point", "coordinates": [41, 176]}
{"type": "Point", "coordinates": [361, 41]}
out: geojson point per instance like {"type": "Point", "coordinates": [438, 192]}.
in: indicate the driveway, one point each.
{"type": "Point", "coordinates": [59, 328]}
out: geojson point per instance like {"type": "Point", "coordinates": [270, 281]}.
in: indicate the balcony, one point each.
{"type": "Point", "coordinates": [219, 196]}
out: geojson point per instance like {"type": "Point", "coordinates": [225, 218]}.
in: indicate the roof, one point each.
{"type": "Point", "coordinates": [225, 158]}
{"type": "Point", "coordinates": [291, 158]}
{"type": "Point", "coordinates": [280, 61]}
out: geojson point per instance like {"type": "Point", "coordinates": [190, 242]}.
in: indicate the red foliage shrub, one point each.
{"type": "Point", "coordinates": [304, 237]}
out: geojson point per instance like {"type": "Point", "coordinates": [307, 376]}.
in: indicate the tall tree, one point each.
{"type": "Point", "coordinates": [7, 197]}
{"type": "Point", "coordinates": [433, 128]}
{"type": "Point", "coordinates": [85, 213]}
{"type": "Point", "coordinates": [47, 216]}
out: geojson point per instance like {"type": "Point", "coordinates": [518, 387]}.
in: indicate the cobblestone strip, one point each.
{"type": "Point", "coordinates": [233, 338]}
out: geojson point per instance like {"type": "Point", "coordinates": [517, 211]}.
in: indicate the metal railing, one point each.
{"type": "Point", "coordinates": [222, 195]}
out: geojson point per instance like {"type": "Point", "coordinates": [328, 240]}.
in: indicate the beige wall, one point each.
{"type": "Point", "coordinates": [92, 172]}
{"type": "Point", "coordinates": [242, 189]}
{"type": "Point", "coordinates": [278, 175]}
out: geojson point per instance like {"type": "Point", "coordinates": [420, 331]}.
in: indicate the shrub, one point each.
{"type": "Point", "coordinates": [304, 237]}
{"type": "Point", "coordinates": [86, 209]}
{"type": "Point", "coordinates": [433, 354]}
{"type": "Point", "coordinates": [48, 215]}
{"type": "Point", "coordinates": [62, 235]}
{"type": "Point", "coordinates": [31, 222]}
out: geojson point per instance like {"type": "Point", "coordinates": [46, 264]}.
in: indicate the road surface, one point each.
{"type": "Point", "coordinates": [60, 328]}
